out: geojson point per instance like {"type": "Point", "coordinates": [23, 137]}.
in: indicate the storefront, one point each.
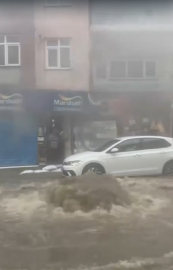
{"type": "Point", "coordinates": [122, 115]}
{"type": "Point", "coordinates": [18, 133]}
{"type": "Point", "coordinates": [55, 112]}
{"type": "Point", "coordinates": [42, 127]}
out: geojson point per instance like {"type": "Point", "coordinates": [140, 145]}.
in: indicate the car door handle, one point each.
{"type": "Point", "coordinates": [137, 155]}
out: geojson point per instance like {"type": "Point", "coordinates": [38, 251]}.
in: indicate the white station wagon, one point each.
{"type": "Point", "coordinates": [138, 155]}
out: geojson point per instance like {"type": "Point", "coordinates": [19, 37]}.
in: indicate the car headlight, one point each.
{"type": "Point", "coordinates": [73, 163]}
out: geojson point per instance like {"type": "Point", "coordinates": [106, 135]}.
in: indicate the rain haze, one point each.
{"type": "Point", "coordinates": [86, 135]}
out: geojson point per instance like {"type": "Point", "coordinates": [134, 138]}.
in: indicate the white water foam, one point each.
{"type": "Point", "coordinates": [163, 263]}
{"type": "Point", "coordinates": [27, 204]}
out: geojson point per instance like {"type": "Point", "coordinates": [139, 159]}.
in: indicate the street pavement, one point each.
{"type": "Point", "coordinates": [13, 178]}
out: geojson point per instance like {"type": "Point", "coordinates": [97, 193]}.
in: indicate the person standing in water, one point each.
{"type": "Point", "coordinates": [53, 143]}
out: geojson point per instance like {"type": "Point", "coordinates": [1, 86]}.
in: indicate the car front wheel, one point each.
{"type": "Point", "coordinates": [94, 167]}
{"type": "Point", "coordinates": [168, 168]}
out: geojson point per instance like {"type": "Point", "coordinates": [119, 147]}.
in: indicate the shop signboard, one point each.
{"type": "Point", "coordinates": [57, 101]}
{"type": "Point", "coordinates": [11, 102]}
{"type": "Point", "coordinates": [37, 101]}
{"type": "Point", "coordinates": [63, 102]}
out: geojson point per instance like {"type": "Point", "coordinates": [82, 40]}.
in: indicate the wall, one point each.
{"type": "Point", "coordinates": [54, 22]}
{"type": "Point", "coordinates": [17, 18]}
{"type": "Point", "coordinates": [131, 13]}
{"type": "Point", "coordinates": [133, 30]}
{"type": "Point", "coordinates": [131, 45]}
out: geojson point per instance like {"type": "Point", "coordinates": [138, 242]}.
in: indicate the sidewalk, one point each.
{"type": "Point", "coordinates": [12, 176]}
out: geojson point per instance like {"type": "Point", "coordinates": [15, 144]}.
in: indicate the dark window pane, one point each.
{"type": "Point", "coordinates": [152, 143]}
{"type": "Point", "coordinates": [101, 71]}
{"type": "Point", "coordinates": [52, 58]}
{"type": "Point", "coordinates": [135, 69]}
{"type": "Point", "coordinates": [65, 57]}
{"type": "Point", "coordinates": [13, 55]}
{"type": "Point", "coordinates": [52, 42]}
{"type": "Point", "coordinates": [65, 42]}
{"type": "Point", "coordinates": [12, 39]}
{"type": "Point", "coordinates": [2, 55]}
{"type": "Point", "coordinates": [58, 2]}
{"type": "Point", "coordinates": [150, 69]}
{"type": "Point", "coordinates": [163, 143]}
{"type": "Point", "coordinates": [129, 145]}
{"type": "Point", "coordinates": [118, 69]}
{"type": "Point", "coordinates": [2, 39]}
{"type": "Point", "coordinates": [106, 145]}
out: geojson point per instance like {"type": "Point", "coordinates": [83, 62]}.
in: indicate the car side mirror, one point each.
{"type": "Point", "coordinates": [114, 150]}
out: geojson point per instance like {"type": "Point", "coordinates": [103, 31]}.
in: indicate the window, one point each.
{"type": "Point", "coordinates": [58, 3]}
{"type": "Point", "coordinates": [133, 69]}
{"type": "Point", "coordinates": [9, 51]}
{"type": "Point", "coordinates": [152, 143]}
{"type": "Point", "coordinates": [129, 145]}
{"type": "Point", "coordinates": [58, 53]}
{"type": "Point", "coordinates": [106, 145]}
{"type": "Point", "coordinates": [118, 69]}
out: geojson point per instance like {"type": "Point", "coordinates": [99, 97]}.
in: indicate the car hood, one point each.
{"type": "Point", "coordinates": [80, 156]}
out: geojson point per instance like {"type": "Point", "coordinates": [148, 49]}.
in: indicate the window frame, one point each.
{"type": "Point", "coordinates": [119, 78]}
{"type": "Point", "coordinates": [143, 70]}
{"type": "Point", "coordinates": [6, 49]}
{"type": "Point", "coordinates": [57, 47]}
{"type": "Point", "coordinates": [127, 77]}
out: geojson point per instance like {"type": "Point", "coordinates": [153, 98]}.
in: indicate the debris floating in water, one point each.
{"type": "Point", "coordinates": [49, 168]}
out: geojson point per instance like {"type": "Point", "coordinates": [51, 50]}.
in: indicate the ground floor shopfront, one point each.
{"type": "Point", "coordinates": [18, 135]}
{"type": "Point", "coordinates": [125, 114]}
{"type": "Point", "coordinates": [30, 123]}
{"type": "Point", "coordinates": [36, 127]}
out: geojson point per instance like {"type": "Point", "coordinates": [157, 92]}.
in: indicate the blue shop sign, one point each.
{"type": "Point", "coordinates": [57, 101]}
{"type": "Point", "coordinates": [37, 101]}
{"type": "Point", "coordinates": [11, 102]}
{"type": "Point", "coordinates": [67, 102]}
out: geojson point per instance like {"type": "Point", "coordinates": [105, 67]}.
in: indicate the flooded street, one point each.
{"type": "Point", "coordinates": [36, 235]}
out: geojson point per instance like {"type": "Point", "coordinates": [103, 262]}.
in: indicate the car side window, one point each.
{"type": "Point", "coordinates": [154, 143]}
{"type": "Point", "coordinates": [129, 145]}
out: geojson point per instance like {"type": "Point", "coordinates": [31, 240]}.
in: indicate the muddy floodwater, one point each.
{"type": "Point", "coordinates": [38, 235]}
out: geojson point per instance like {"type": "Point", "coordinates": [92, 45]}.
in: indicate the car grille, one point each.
{"type": "Point", "coordinates": [66, 173]}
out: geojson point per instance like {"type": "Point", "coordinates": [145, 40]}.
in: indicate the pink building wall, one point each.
{"type": "Point", "coordinates": [56, 22]}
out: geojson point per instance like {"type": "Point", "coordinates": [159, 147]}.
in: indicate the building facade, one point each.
{"type": "Point", "coordinates": [44, 79]}
{"type": "Point", "coordinates": [62, 45]}
{"type": "Point", "coordinates": [74, 74]}
{"type": "Point", "coordinates": [132, 68]}
{"type": "Point", "coordinates": [62, 69]}
{"type": "Point", "coordinates": [18, 132]}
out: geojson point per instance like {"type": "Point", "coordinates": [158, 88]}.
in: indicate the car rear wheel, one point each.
{"type": "Point", "coordinates": [168, 168]}
{"type": "Point", "coordinates": [94, 167]}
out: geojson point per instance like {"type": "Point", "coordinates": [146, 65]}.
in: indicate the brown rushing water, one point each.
{"type": "Point", "coordinates": [34, 235]}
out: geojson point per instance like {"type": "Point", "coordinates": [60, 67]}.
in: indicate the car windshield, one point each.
{"type": "Point", "coordinates": [106, 145]}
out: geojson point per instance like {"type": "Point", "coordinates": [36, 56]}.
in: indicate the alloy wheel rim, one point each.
{"type": "Point", "coordinates": [169, 169]}
{"type": "Point", "coordinates": [95, 170]}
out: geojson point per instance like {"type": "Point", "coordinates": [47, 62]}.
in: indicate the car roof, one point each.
{"type": "Point", "coordinates": [143, 137]}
